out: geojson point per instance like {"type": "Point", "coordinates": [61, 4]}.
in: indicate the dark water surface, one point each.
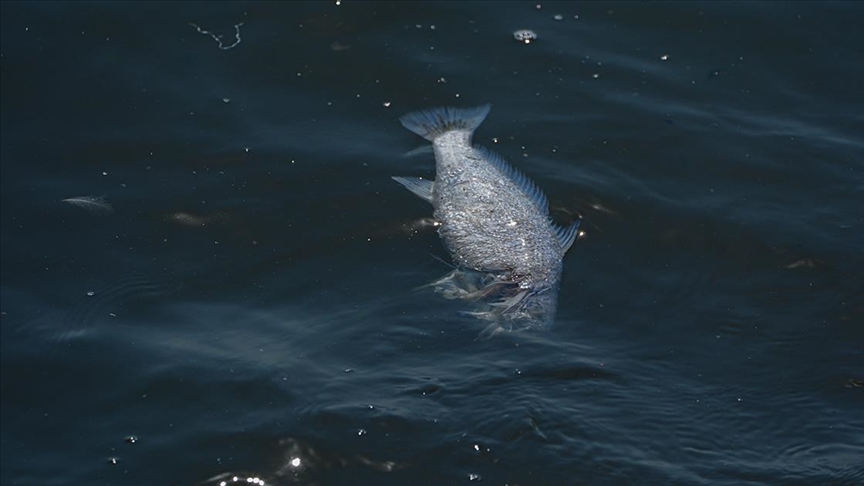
{"type": "Point", "coordinates": [250, 306]}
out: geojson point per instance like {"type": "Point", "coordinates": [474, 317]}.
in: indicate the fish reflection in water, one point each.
{"type": "Point", "coordinates": [494, 221]}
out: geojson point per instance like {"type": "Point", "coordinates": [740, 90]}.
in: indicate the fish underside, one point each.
{"type": "Point", "coordinates": [494, 221]}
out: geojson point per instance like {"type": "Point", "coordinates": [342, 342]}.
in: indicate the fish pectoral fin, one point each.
{"type": "Point", "coordinates": [566, 236]}
{"type": "Point", "coordinates": [421, 150]}
{"type": "Point", "coordinates": [507, 303]}
{"type": "Point", "coordinates": [490, 331]}
{"type": "Point", "coordinates": [418, 185]}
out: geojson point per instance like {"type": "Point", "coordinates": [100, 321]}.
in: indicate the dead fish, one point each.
{"type": "Point", "coordinates": [493, 220]}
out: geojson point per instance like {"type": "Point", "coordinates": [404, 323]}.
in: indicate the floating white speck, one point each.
{"type": "Point", "coordinates": [525, 35]}
{"type": "Point", "coordinates": [664, 57]}
{"type": "Point", "coordinates": [226, 100]}
{"type": "Point", "coordinates": [558, 17]}
{"type": "Point", "coordinates": [386, 104]}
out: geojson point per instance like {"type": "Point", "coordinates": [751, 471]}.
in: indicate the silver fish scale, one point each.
{"type": "Point", "coordinates": [487, 222]}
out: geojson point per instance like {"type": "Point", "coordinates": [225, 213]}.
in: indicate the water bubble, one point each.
{"type": "Point", "coordinates": [525, 35]}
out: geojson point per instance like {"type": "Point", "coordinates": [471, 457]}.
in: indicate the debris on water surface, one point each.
{"type": "Point", "coordinates": [525, 35]}
{"type": "Point", "coordinates": [91, 203]}
{"type": "Point", "coordinates": [338, 46]}
{"type": "Point", "coordinates": [218, 38]}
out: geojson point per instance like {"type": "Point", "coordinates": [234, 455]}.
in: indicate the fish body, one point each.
{"type": "Point", "coordinates": [493, 220]}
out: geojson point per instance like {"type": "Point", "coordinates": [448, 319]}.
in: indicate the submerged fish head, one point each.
{"type": "Point", "coordinates": [526, 307]}
{"type": "Point", "coordinates": [537, 308]}
{"type": "Point", "coordinates": [509, 304]}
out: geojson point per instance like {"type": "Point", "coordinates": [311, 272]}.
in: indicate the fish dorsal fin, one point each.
{"type": "Point", "coordinates": [566, 235]}
{"type": "Point", "coordinates": [517, 177]}
{"type": "Point", "coordinates": [419, 186]}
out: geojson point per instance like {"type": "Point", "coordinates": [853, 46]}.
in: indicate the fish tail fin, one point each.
{"type": "Point", "coordinates": [430, 124]}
